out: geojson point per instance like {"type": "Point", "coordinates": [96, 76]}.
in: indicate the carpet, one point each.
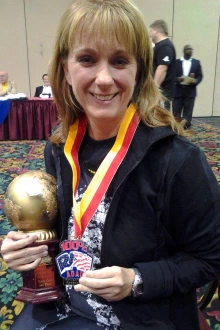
{"type": "Point", "coordinates": [207, 137]}
{"type": "Point", "coordinates": [19, 156]}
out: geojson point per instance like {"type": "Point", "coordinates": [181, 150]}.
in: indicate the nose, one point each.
{"type": "Point", "coordinates": [104, 76]}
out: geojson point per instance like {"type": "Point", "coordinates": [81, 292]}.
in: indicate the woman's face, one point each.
{"type": "Point", "coordinates": [103, 76]}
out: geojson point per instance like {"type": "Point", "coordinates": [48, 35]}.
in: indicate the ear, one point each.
{"type": "Point", "coordinates": [67, 74]}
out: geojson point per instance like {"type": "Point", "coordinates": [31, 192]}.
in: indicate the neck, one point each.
{"type": "Point", "coordinates": [186, 57]}
{"type": "Point", "coordinates": [160, 38]}
{"type": "Point", "coordinates": [103, 129]}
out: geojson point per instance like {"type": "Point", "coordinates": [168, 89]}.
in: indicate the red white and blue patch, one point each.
{"type": "Point", "coordinates": [73, 261]}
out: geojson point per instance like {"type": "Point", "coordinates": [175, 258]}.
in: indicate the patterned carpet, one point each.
{"type": "Point", "coordinates": [20, 156]}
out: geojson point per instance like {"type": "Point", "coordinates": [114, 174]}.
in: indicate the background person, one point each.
{"type": "Point", "coordinates": [163, 60]}
{"type": "Point", "coordinates": [45, 90]}
{"type": "Point", "coordinates": [154, 236]}
{"type": "Point", "coordinates": [6, 86]}
{"type": "Point", "coordinates": [188, 76]}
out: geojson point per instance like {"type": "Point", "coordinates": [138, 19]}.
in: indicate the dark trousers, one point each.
{"type": "Point", "coordinates": [183, 104]}
{"type": "Point", "coordinates": [24, 320]}
{"type": "Point", "coordinates": [167, 101]}
{"type": "Point", "coordinates": [167, 104]}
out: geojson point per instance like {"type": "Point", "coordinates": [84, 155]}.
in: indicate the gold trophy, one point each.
{"type": "Point", "coordinates": [30, 204]}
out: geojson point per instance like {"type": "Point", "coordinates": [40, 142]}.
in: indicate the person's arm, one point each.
{"type": "Point", "coordinates": [38, 91]}
{"type": "Point", "coordinates": [163, 58]}
{"type": "Point", "coordinates": [13, 88]}
{"type": "Point", "coordinates": [198, 75]}
{"type": "Point", "coordinates": [191, 217]}
{"type": "Point", "coordinates": [160, 74]}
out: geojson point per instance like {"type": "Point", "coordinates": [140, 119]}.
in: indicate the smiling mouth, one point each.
{"type": "Point", "coordinates": [104, 97]}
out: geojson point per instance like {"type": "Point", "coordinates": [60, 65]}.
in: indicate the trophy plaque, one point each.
{"type": "Point", "coordinates": [30, 204]}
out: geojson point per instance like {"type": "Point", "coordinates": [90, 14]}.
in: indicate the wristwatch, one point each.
{"type": "Point", "coordinates": [137, 284]}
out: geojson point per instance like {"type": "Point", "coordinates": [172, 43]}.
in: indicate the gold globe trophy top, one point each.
{"type": "Point", "coordinates": [30, 204]}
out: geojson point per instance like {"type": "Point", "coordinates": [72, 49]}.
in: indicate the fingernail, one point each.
{"type": "Point", "coordinates": [45, 253]}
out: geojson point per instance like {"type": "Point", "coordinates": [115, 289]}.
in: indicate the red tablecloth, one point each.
{"type": "Point", "coordinates": [29, 119]}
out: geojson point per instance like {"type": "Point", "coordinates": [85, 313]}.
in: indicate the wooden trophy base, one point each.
{"type": "Point", "coordinates": [43, 284]}
{"type": "Point", "coordinates": [40, 296]}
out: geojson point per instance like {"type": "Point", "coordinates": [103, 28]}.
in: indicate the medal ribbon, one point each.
{"type": "Point", "coordinates": [85, 209]}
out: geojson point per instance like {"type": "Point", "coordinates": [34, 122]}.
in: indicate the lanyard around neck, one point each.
{"type": "Point", "coordinates": [85, 209]}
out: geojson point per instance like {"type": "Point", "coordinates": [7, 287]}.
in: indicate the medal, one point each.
{"type": "Point", "coordinates": [85, 209]}
{"type": "Point", "coordinates": [73, 261]}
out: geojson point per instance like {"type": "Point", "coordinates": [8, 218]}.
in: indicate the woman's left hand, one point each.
{"type": "Point", "coordinates": [111, 283]}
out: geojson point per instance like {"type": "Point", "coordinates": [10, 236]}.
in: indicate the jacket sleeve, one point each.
{"type": "Point", "coordinates": [190, 217]}
{"type": "Point", "coordinates": [199, 74]}
{"type": "Point", "coordinates": [178, 70]}
{"type": "Point", "coordinates": [37, 92]}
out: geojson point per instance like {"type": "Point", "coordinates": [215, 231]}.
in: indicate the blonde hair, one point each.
{"type": "Point", "coordinates": [99, 18]}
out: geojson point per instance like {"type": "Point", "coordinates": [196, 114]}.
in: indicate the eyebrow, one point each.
{"type": "Point", "coordinates": [94, 51]}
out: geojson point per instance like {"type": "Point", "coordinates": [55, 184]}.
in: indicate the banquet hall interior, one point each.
{"type": "Point", "coordinates": [26, 38]}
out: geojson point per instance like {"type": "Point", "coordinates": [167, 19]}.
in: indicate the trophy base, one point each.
{"type": "Point", "coordinates": [40, 296]}
{"type": "Point", "coordinates": [43, 284]}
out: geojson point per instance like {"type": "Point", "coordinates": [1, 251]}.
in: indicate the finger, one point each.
{"type": "Point", "coordinates": [96, 283]}
{"type": "Point", "coordinates": [103, 291]}
{"type": "Point", "coordinates": [109, 294]}
{"type": "Point", "coordinates": [111, 283]}
{"type": "Point", "coordinates": [16, 235]}
{"type": "Point", "coordinates": [103, 278]}
{"type": "Point", "coordinates": [13, 245]}
{"type": "Point", "coordinates": [30, 266]}
{"type": "Point", "coordinates": [26, 255]}
{"type": "Point", "coordinates": [106, 272]}
{"type": "Point", "coordinates": [26, 263]}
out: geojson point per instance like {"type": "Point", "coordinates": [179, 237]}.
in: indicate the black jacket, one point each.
{"type": "Point", "coordinates": [189, 90]}
{"type": "Point", "coordinates": [38, 91]}
{"type": "Point", "coordinates": [164, 218]}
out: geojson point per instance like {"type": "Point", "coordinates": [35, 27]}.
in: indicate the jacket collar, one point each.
{"type": "Point", "coordinates": [183, 59]}
{"type": "Point", "coordinates": [144, 138]}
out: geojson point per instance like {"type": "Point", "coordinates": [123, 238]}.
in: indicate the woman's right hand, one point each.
{"type": "Point", "coordinates": [18, 255]}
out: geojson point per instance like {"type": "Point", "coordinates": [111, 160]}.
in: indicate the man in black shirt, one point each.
{"type": "Point", "coordinates": [164, 60]}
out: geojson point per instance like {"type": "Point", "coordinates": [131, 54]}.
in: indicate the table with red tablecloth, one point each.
{"type": "Point", "coordinates": [29, 119]}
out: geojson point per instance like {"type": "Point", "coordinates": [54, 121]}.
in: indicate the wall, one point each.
{"type": "Point", "coordinates": [27, 34]}
{"type": "Point", "coordinates": [194, 22]}
{"type": "Point", "coordinates": [28, 29]}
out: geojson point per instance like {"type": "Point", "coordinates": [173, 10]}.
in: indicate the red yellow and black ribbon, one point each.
{"type": "Point", "coordinates": [85, 209]}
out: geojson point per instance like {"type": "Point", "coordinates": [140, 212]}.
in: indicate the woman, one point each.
{"type": "Point", "coordinates": [149, 202]}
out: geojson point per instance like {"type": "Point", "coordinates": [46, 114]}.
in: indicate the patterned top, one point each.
{"type": "Point", "coordinates": [83, 303]}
